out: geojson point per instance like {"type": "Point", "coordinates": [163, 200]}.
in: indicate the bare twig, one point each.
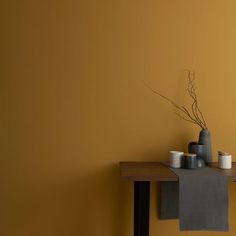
{"type": "Point", "coordinates": [192, 93]}
{"type": "Point", "coordinates": [182, 117]}
{"type": "Point", "coordinates": [196, 117]}
{"type": "Point", "coordinates": [192, 117]}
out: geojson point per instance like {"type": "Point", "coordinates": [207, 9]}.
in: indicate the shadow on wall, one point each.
{"type": "Point", "coordinates": [95, 204]}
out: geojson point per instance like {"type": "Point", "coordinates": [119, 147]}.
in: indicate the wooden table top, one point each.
{"type": "Point", "coordinates": [159, 171]}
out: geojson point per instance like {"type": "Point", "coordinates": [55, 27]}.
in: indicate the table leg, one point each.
{"type": "Point", "coordinates": [141, 208]}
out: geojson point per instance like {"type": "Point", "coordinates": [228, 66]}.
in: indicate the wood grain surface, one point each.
{"type": "Point", "coordinates": [159, 171]}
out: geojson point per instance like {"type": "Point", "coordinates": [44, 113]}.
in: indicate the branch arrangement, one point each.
{"type": "Point", "coordinates": [194, 115]}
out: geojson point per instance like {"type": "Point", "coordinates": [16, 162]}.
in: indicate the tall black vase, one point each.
{"type": "Point", "coordinates": [205, 139]}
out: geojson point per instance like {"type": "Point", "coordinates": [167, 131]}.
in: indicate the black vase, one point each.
{"type": "Point", "coordinates": [205, 139]}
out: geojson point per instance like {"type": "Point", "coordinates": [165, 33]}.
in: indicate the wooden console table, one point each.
{"type": "Point", "coordinates": [142, 173]}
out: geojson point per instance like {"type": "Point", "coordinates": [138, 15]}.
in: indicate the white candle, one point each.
{"type": "Point", "coordinates": [175, 158]}
{"type": "Point", "coordinates": [225, 161]}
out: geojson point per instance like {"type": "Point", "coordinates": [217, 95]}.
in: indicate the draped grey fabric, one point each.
{"type": "Point", "coordinates": [199, 199]}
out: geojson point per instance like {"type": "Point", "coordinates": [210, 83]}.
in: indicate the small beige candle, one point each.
{"type": "Point", "coordinates": [224, 160]}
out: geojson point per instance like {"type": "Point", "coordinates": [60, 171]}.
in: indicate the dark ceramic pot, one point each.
{"type": "Point", "coordinates": [200, 162]}
{"type": "Point", "coordinates": [189, 161]}
{"type": "Point", "coordinates": [199, 149]}
{"type": "Point", "coordinates": [205, 139]}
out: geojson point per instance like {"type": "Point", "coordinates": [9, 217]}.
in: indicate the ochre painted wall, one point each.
{"type": "Point", "coordinates": [73, 105]}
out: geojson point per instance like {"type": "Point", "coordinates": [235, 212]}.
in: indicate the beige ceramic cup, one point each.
{"type": "Point", "coordinates": [175, 158]}
{"type": "Point", "coordinates": [225, 161]}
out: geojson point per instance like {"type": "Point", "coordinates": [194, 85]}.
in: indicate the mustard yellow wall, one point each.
{"type": "Point", "coordinates": [73, 105]}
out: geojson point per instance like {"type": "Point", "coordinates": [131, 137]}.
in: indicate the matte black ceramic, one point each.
{"type": "Point", "coordinates": [199, 149]}
{"type": "Point", "coordinates": [189, 162]}
{"type": "Point", "coordinates": [205, 138]}
{"type": "Point", "coordinates": [200, 162]}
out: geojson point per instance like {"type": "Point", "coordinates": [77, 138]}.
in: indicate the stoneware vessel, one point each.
{"type": "Point", "coordinates": [205, 139]}
{"type": "Point", "coordinates": [199, 149]}
{"type": "Point", "coordinates": [189, 161]}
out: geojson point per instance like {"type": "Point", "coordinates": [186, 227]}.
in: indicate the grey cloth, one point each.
{"type": "Point", "coordinates": [202, 200]}
{"type": "Point", "coordinates": [169, 197]}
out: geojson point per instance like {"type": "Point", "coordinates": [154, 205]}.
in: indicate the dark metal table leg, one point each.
{"type": "Point", "coordinates": [141, 208]}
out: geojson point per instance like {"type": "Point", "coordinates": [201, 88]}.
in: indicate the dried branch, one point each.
{"type": "Point", "coordinates": [192, 92]}
{"type": "Point", "coordinates": [182, 117]}
{"type": "Point", "coordinates": [196, 117]}
{"type": "Point", "coordinates": [193, 118]}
